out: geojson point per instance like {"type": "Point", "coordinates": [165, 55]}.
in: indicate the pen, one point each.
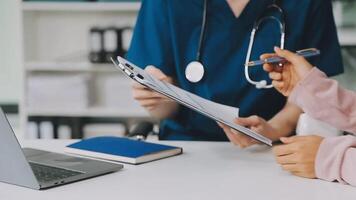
{"type": "Point", "coordinates": [306, 53]}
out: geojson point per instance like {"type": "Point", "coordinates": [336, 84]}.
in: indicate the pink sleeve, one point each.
{"type": "Point", "coordinates": [336, 160]}
{"type": "Point", "coordinates": [323, 99]}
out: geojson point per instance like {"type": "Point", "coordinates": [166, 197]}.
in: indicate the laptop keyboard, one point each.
{"type": "Point", "coordinates": [46, 173]}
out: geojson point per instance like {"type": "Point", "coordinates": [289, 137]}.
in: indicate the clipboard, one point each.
{"type": "Point", "coordinates": [217, 112]}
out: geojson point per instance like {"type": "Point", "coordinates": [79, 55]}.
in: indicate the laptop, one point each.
{"type": "Point", "coordinates": [39, 169]}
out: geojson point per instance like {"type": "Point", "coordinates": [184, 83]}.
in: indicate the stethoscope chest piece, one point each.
{"type": "Point", "coordinates": [194, 71]}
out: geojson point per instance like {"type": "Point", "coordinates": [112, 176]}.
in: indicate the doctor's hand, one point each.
{"type": "Point", "coordinates": [297, 154]}
{"type": "Point", "coordinates": [156, 104]}
{"type": "Point", "coordinates": [286, 78]}
{"type": "Point", "coordinates": [254, 123]}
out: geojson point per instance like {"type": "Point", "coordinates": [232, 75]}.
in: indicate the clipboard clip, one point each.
{"type": "Point", "coordinates": [127, 69]}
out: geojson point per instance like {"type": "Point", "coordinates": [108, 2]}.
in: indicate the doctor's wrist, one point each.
{"type": "Point", "coordinates": [278, 131]}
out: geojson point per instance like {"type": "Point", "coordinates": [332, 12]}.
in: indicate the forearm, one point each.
{"type": "Point", "coordinates": [336, 159]}
{"type": "Point", "coordinates": [348, 167]}
{"type": "Point", "coordinates": [285, 121]}
{"type": "Point", "coordinates": [323, 99]}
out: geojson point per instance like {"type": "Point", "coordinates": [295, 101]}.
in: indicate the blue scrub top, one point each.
{"type": "Point", "coordinates": [166, 35]}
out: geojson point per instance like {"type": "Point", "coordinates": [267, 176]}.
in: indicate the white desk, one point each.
{"type": "Point", "coordinates": [205, 171]}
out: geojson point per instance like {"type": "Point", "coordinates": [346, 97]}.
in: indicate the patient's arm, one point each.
{"type": "Point", "coordinates": [323, 99]}
{"type": "Point", "coordinates": [336, 160]}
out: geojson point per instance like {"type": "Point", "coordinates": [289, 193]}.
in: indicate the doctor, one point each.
{"type": "Point", "coordinates": [167, 38]}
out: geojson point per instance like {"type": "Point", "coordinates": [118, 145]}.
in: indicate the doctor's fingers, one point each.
{"type": "Point", "coordinates": [243, 140]}
{"type": "Point", "coordinates": [232, 138]}
{"type": "Point", "coordinates": [247, 139]}
{"type": "Point", "coordinates": [153, 102]}
{"type": "Point", "coordinates": [149, 103]}
{"type": "Point", "coordinates": [146, 94]}
{"type": "Point", "coordinates": [249, 121]}
{"type": "Point", "coordinates": [135, 85]}
{"type": "Point", "coordinates": [237, 140]}
{"type": "Point", "coordinates": [229, 134]}
{"type": "Point", "coordinates": [154, 71]}
{"type": "Point", "coordinates": [152, 105]}
{"type": "Point", "coordinates": [167, 79]}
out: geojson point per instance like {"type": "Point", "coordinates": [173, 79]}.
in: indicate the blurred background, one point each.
{"type": "Point", "coordinates": [56, 79]}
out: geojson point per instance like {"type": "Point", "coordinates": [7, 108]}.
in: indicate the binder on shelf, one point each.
{"type": "Point", "coordinates": [32, 131]}
{"type": "Point", "coordinates": [46, 130]}
{"type": "Point", "coordinates": [64, 132]}
{"type": "Point", "coordinates": [114, 42]}
{"type": "Point", "coordinates": [106, 43]}
{"type": "Point", "coordinates": [96, 54]}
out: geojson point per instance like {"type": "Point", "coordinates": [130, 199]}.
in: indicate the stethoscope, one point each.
{"type": "Point", "coordinates": [194, 71]}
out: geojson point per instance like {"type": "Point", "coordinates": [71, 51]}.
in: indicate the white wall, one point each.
{"type": "Point", "coordinates": [10, 51]}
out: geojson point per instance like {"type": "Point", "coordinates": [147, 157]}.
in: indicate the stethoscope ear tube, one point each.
{"type": "Point", "coordinates": [263, 83]}
{"type": "Point", "coordinates": [194, 71]}
{"type": "Point", "coordinates": [202, 31]}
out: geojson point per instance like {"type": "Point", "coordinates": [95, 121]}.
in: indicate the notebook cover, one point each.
{"type": "Point", "coordinates": [120, 146]}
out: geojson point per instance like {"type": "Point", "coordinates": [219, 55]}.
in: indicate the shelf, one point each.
{"type": "Point", "coordinates": [81, 6]}
{"type": "Point", "coordinates": [68, 67]}
{"type": "Point", "coordinates": [347, 37]}
{"type": "Point", "coordinates": [89, 112]}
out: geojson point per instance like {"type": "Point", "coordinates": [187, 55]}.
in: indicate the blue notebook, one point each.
{"type": "Point", "coordinates": [122, 149]}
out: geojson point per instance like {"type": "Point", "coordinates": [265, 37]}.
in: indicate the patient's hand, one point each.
{"type": "Point", "coordinates": [255, 123]}
{"type": "Point", "coordinates": [285, 79]}
{"type": "Point", "coordinates": [297, 154]}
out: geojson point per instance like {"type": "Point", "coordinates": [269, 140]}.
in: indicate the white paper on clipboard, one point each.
{"type": "Point", "coordinates": [218, 112]}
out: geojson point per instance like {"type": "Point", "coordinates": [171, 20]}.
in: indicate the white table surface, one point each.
{"type": "Point", "coordinates": [206, 170]}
